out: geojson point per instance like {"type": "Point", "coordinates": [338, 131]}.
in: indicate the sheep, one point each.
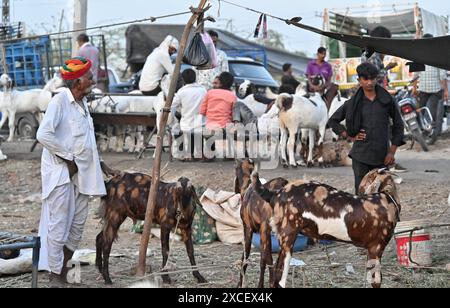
{"type": "Point", "coordinates": [127, 196]}
{"type": "Point", "coordinates": [322, 212]}
{"type": "Point", "coordinates": [255, 215]}
{"type": "Point", "coordinates": [13, 102]}
{"type": "Point", "coordinates": [307, 114]}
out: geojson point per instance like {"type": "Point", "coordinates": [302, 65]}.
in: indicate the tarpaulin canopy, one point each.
{"type": "Point", "coordinates": [432, 51]}
{"type": "Point", "coordinates": [400, 23]}
{"type": "Point", "coordinates": [143, 38]}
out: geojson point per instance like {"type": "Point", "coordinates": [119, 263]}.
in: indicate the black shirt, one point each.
{"type": "Point", "coordinates": [375, 120]}
{"type": "Point", "coordinates": [290, 80]}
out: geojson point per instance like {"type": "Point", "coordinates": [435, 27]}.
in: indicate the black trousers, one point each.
{"type": "Point", "coordinates": [155, 92]}
{"type": "Point", "coordinates": [361, 170]}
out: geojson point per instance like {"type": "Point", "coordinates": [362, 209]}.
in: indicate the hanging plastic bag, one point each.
{"type": "Point", "coordinates": [209, 44]}
{"type": "Point", "coordinates": [196, 53]}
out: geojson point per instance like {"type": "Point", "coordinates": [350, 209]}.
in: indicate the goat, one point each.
{"type": "Point", "coordinates": [247, 91]}
{"type": "Point", "coordinates": [13, 102]}
{"type": "Point", "coordinates": [124, 104]}
{"type": "Point", "coordinates": [324, 213]}
{"type": "Point", "coordinates": [127, 196]}
{"type": "Point", "coordinates": [333, 154]}
{"type": "Point", "coordinates": [256, 215]}
{"type": "Point", "coordinates": [307, 114]}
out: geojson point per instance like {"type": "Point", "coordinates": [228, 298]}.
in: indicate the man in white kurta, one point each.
{"type": "Point", "coordinates": [188, 100]}
{"type": "Point", "coordinates": [67, 135]}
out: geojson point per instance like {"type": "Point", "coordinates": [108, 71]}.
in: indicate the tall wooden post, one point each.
{"type": "Point", "coordinates": [79, 21]}
{"type": "Point", "coordinates": [156, 174]}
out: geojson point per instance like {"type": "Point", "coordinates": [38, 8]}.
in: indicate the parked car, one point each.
{"type": "Point", "coordinates": [241, 68]}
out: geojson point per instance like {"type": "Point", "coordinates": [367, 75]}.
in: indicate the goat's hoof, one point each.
{"type": "Point", "coordinates": [301, 164]}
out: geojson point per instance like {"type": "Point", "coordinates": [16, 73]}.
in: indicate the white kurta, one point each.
{"type": "Point", "coordinates": [157, 64]}
{"type": "Point", "coordinates": [188, 100]}
{"type": "Point", "coordinates": [67, 131]}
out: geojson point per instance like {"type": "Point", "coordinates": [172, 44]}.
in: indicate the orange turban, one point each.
{"type": "Point", "coordinates": [75, 68]}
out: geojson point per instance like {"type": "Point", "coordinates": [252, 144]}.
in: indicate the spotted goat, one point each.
{"type": "Point", "coordinates": [256, 215]}
{"type": "Point", "coordinates": [127, 196]}
{"type": "Point", "coordinates": [324, 213]}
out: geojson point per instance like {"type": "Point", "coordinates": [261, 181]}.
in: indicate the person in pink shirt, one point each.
{"type": "Point", "coordinates": [217, 106]}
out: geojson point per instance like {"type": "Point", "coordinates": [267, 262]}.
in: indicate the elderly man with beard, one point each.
{"type": "Point", "coordinates": [71, 170]}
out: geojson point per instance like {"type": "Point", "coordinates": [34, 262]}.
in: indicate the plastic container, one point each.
{"type": "Point", "coordinates": [420, 244]}
{"type": "Point", "coordinates": [300, 244]}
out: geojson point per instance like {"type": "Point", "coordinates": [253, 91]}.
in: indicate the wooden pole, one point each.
{"type": "Point", "coordinates": [4, 64]}
{"type": "Point", "coordinates": [159, 145]}
{"type": "Point", "coordinates": [79, 21]}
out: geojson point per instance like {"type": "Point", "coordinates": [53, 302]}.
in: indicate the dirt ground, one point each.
{"type": "Point", "coordinates": [424, 194]}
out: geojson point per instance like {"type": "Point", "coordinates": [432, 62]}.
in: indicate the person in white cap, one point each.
{"type": "Point", "coordinates": [157, 65]}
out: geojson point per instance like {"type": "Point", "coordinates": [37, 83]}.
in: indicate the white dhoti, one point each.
{"type": "Point", "coordinates": [63, 217]}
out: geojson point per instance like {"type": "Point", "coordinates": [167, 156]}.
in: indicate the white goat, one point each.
{"type": "Point", "coordinates": [132, 104]}
{"type": "Point", "coordinates": [309, 115]}
{"type": "Point", "coordinates": [337, 103]}
{"type": "Point", "coordinates": [13, 102]}
{"type": "Point", "coordinates": [259, 109]}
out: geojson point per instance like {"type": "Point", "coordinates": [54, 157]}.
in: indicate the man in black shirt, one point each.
{"type": "Point", "coordinates": [367, 116]}
{"type": "Point", "coordinates": [288, 76]}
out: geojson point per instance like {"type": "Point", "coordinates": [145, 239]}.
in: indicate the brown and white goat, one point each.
{"type": "Point", "coordinates": [256, 215]}
{"type": "Point", "coordinates": [127, 196]}
{"type": "Point", "coordinates": [324, 213]}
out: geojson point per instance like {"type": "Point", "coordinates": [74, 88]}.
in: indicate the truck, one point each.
{"type": "Point", "coordinates": [32, 62]}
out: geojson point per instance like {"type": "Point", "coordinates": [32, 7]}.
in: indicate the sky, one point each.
{"type": "Point", "coordinates": [43, 16]}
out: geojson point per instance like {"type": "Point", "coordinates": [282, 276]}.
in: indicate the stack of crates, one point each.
{"type": "Point", "coordinates": [25, 60]}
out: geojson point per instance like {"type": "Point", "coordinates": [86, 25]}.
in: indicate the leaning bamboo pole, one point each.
{"type": "Point", "coordinates": [156, 173]}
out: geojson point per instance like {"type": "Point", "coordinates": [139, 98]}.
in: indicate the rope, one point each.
{"type": "Point", "coordinates": [252, 10]}
{"type": "Point", "coordinates": [151, 19]}
{"type": "Point", "coordinates": [179, 216]}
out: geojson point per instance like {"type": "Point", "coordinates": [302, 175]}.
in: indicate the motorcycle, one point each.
{"type": "Point", "coordinates": [418, 121]}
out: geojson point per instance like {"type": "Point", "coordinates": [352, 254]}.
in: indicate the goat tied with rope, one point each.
{"type": "Point", "coordinates": [324, 213]}
{"type": "Point", "coordinates": [127, 196]}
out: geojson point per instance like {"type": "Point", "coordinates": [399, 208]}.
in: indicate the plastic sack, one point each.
{"type": "Point", "coordinates": [213, 59]}
{"type": "Point", "coordinates": [196, 53]}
